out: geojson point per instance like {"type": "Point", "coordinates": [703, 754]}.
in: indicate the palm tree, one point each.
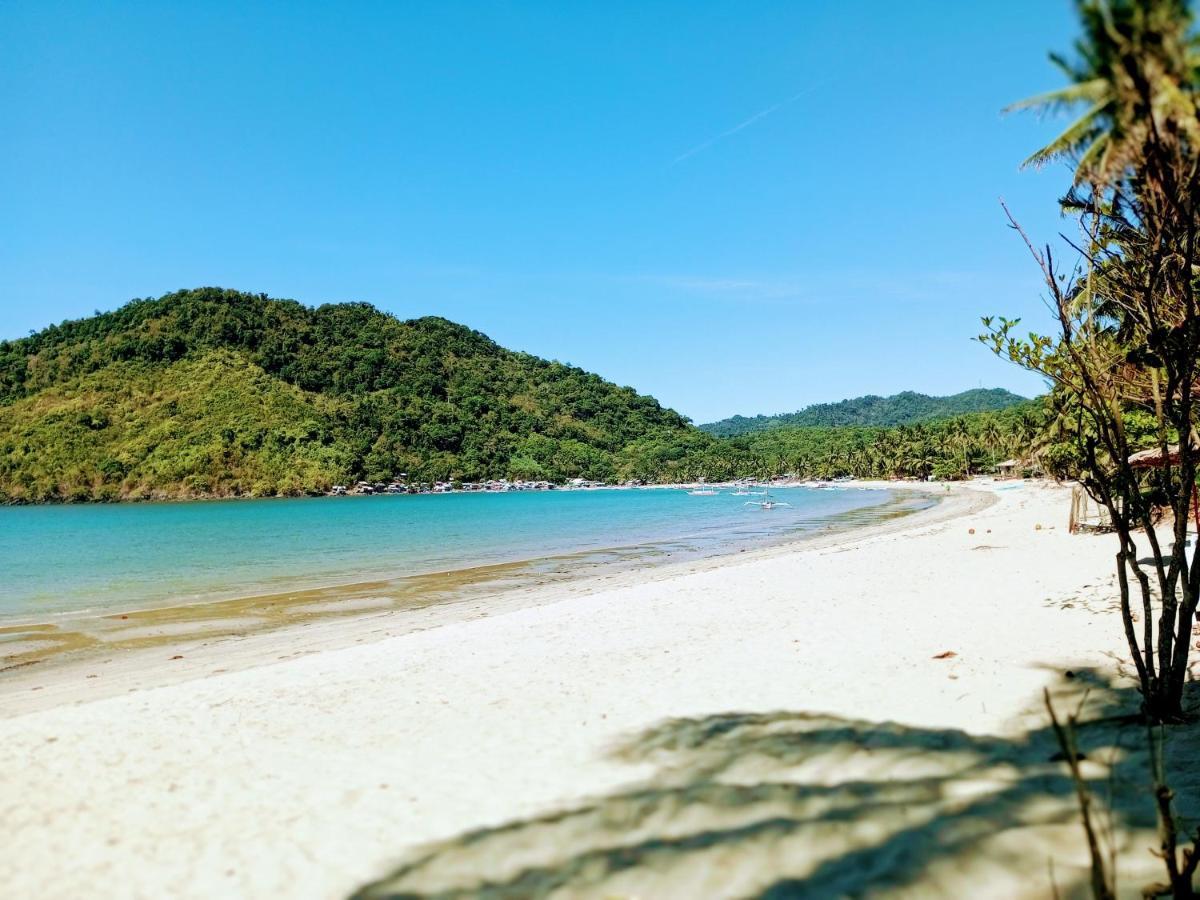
{"type": "Point", "coordinates": [1137, 66]}
{"type": "Point", "coordinates": [992, 438]}
{"type": "Point", "coordinates": [959, 437]}
{"type": "Point", "coordinates": [921, 460]}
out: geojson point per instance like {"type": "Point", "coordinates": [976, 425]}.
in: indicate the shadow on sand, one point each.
{"type": "Point", "coordinates": [798, 805]}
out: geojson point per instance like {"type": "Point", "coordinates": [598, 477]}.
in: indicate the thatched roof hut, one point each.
{"type": "Point", "coordinates": [1154, 458]}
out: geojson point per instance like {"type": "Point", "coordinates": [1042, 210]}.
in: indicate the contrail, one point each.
{"type": "Point", "coordinates": [761, 114]}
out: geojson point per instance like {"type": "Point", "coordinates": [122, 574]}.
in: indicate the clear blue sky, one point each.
{"type": "Point", "coordinates": [734, 207]}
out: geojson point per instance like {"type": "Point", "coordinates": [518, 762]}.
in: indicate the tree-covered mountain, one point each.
{"type": "Point", "coordinates": [213, 392]}
{"type": "Point", "coordinates": [906, 408]}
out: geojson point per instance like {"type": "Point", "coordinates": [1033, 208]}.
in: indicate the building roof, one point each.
{"type": "Point", "coordinates": [1153, 458]}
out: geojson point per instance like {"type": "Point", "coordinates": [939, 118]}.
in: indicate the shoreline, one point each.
{"type": "Point", "coordinates": [487, 740]}
{"type": "Point", "coordinates": [236, 498]}
{"type": "Point", "coordinates": [14, 621]}
{"type": "Point", "coordinates": [175, 644]}
{"type": "Point", "coordinates": [44, 645]}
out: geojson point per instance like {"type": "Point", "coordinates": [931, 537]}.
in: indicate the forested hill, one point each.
{"type": "Point", "coordinates": [213, 392]}
{"type": "Point", "coordinates": [907, 408]}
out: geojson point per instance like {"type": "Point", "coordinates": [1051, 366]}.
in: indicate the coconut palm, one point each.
{"type": "Point", "coordinates": [1136, 67]}
{"type": "Point", "coordinates": [964, 441]}
{"type": "Point", "coordinates": [992, 436]}
{"type": "Point", "coordinates": [920, 460]}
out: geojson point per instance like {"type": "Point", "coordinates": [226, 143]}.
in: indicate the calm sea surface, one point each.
{"type": "Point", "coordinates": [66, 560]}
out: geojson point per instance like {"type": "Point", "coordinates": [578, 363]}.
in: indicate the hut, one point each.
{"type": "Point", "coordinates": [1008, 468]}
{"type": "Point", "coordinates": [1154, 458]}
{"type": "Point", "coordinates": [1088, 515]}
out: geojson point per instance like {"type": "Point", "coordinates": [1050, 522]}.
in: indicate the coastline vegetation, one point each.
{"type": "Point", "coordinates": [947, 449]}
{"type": "Point", "coordinates": [905, 408]}
{"type": "Point", "coordinates": [213, 392]}
{"type": "Point", "coordinates": [217, 393]}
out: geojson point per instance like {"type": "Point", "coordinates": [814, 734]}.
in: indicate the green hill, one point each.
{"type": "Point", "coordinates": [907, 408]}
{"type": "Point", "coordinates": [213, 392]}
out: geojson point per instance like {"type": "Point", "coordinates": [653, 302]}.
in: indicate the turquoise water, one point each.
{"type": "Point", "coordinates": [64, 560]}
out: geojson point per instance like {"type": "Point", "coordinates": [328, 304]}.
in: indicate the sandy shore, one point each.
{"type": "Point", "coordinates": [861, 715]}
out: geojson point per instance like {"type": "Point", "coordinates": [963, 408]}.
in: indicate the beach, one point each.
{"type": "Point", "coordinates": [855, 714]}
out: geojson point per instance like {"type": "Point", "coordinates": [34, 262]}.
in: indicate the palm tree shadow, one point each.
{"type": "Point", "coordinates": [796, 805]}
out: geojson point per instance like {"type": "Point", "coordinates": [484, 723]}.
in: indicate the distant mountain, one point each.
{"type": "Point", "coordinates": [212, 392]}
{"type": "Point", "coordinates": [905, 408]}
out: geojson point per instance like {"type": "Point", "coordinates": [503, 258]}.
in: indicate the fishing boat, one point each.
{"type": "Point", "coordinates": [748, 490]}
{"type": "Point", "coordinates": [766, 503]}
{"type": "Point", "coordinates": [700, 489]}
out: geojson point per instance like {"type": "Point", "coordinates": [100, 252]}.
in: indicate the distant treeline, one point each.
{"type": "Point", "coordinates": [212, 392]}
{"type": "Point", "coordinates": [906, 408]}
{"type": "Point", "coordinates": [946, 449]}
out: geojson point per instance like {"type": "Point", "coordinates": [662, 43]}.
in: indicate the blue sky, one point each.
{"type": "Point", "coordinates": [737, 208]}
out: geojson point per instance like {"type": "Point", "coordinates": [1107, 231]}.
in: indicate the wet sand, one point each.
{"type": "Point", "coordinates": [141, 639]}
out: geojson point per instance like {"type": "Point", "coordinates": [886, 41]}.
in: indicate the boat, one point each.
{"type": "Point", "coordinates": [766, 503]}
{"type": "Point", "coordinates": [702, 492]}
{"type": "Point", "coordinates": [747, 489]}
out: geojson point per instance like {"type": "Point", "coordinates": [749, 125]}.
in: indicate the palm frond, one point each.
{"type": "Point", "coordinates": [1087, 129]}
{"type": "Point", "coordinates": [1091, 160]}
{"type": "Point", "coordinates": [1094, 90]}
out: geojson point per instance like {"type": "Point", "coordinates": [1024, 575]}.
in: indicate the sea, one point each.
{"type": "Point", "coordinates": [79, 560]}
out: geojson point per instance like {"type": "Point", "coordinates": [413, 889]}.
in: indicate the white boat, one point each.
{"type": "Point", "coordinates": [702, 492]}
{"type": "Point", "coordinates": [748, 489]}
{"type": "Point", "coordinates": [766, 503]}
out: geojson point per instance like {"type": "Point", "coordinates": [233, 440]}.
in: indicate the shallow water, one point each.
{"type": "Point", "coordinates": [60, 561]}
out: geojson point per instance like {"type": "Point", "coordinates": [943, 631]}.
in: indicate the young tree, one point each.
{"type": "Point", "coordinates": [1126, 352]}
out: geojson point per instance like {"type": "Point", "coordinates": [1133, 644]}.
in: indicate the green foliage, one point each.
{"type": "Point", "coordinates": [212, 392]}
{"type": "Point", "coordinates": [216, 392]}
{"type": "Point", "coordinates": [945, 449]}
{"type": "Point", "coordinates": [1129, 51]}
{"type": "Point", "coordinates": [1124, 360]}
{"type": "Point", "coordinates": [216, 425]}
{"type": "Point", "coordinates": [907, 408]}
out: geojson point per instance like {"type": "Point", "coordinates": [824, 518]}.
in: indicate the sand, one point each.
{"type": "Point", "coordinates": [857, 715]}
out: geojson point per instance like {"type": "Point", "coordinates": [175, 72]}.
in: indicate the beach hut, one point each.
{"type": "Point", "coordinates": [1008, 468]}
{"type": "Point", "coordinates": [1154, 458]}
{"type": "Point", "coordinates": [1088, 515]}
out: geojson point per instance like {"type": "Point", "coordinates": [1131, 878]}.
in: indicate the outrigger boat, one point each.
{"type": "Point", "coordinates": [766, 502]}
{"type": "Point", "coordinates": [745, 491]}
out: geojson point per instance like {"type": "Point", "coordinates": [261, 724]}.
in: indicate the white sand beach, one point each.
{"type": "Point", "coordinates": [856, 716]}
